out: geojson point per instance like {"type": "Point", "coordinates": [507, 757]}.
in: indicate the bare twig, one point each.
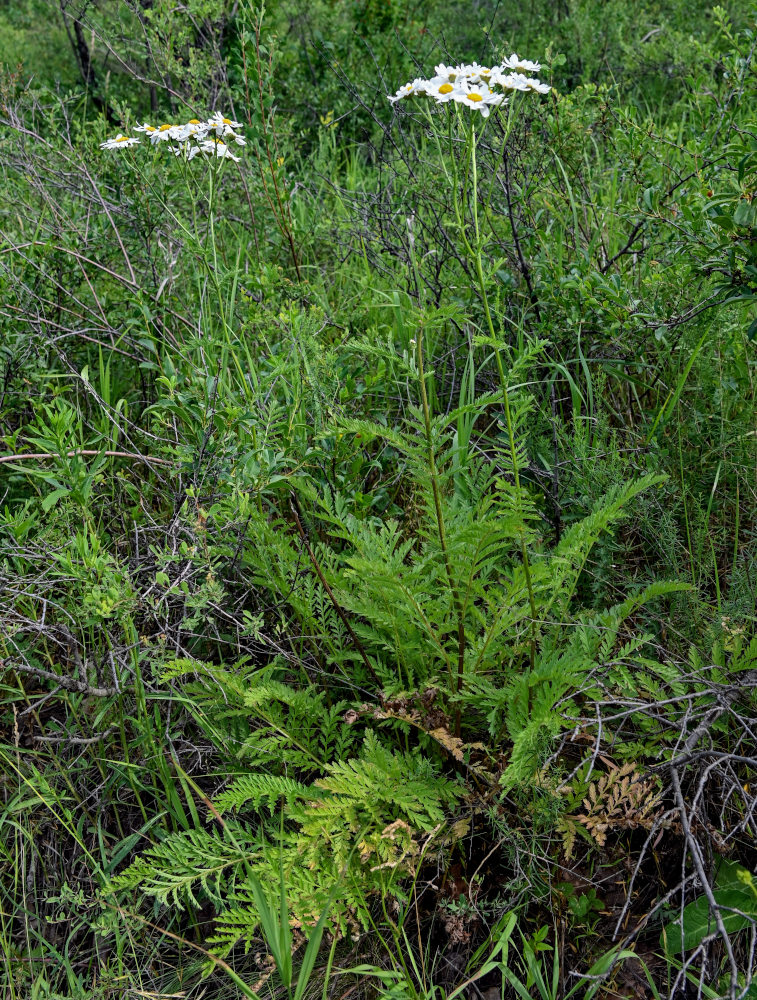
{"type": "Point", "coordinates": [90, 452]}
{"type": "Point", "coordinates": [69, 683]}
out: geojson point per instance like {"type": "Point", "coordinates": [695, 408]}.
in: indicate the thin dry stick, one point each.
{"type": "Point", "coordinates": [69, 683]}
{"type": "Point", "coordinates": [696, 856]}
{"type": "Point", "coordinates": [81, 741]}
{"type": "Point", "coordinates": [44, 455]}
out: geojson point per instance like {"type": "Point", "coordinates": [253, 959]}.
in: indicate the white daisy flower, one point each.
{"type": "Point", "coordinates": [163, 134]}
{"type": "Point", "coordinates": [214, 147]}
{"type": "Point", "coordinates": [440, 88]}
{"type": "Point", "coordinates": [194, 129]}
{"type": "Point", "coordinates": [511, 81]}
{"type": "Point", "coordinates": [518, 81]}
{"type": "Point", "coordinates": [477, 74]}
{"type": "Point", "coordinates": [178, 133]}
{"type": "Point", "coordinates": [222, 126]}
{"type": "Point", "coordinates": [450, 72]}
{"type": "Point", "coordinates": [218, 119]}
{"type": "Point", "coordinates": [416, 87]}
{"type": "Point", "coordinates": [119, 142]}
{"type": "Point", "coordinates": [521, 65]}
{"type": "Point", "coordinates": [144, 127]}
{"type": "Point", "coordinates": [479, 97]}
{"type": "Point", "coordinates": [538, 87]}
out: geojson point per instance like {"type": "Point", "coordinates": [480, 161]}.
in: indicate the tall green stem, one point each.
{"type": "Point", "coordinates": [477, 255]}
{"type": "Point", "coordinates": [456, 600]}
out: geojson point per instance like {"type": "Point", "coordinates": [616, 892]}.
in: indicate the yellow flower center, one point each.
{"type": "Point", "coordinates": [149, 128]}
{"type": "Point", "coordinates": [194, 121]}
{"type": "Point", "coordinates": [475, 97]}
{"type": "Point", "coordinates": [165, 128]}
{"type": "Point", "coordinates": [226, 121]}
{"type": "Point", "coordinates": [122, 138]}
{"type": "Point", "coordinates": [446, 88]}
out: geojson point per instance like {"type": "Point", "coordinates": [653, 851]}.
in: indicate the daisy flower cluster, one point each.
{"type": "Point", "coordinates": [478, 87]}
{"type": "Point", "coordinates": [212, 137]}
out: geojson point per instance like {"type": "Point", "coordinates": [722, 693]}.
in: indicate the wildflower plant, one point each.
{"type": "Point", "coordinates": [211, 137]}
{"type": "Point", "coordinates": [210, 140]}
{"type": "Point", "coordinates": [479, 89]}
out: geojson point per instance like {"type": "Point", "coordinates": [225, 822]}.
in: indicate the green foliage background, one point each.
{"type": "Point", "coordinates": [279, 608]}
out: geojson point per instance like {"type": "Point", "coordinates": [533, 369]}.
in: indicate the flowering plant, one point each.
{"type": "Point", "coordinates": [211, 137]}
{"type": "Point", "coordinates": [478, 87]}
